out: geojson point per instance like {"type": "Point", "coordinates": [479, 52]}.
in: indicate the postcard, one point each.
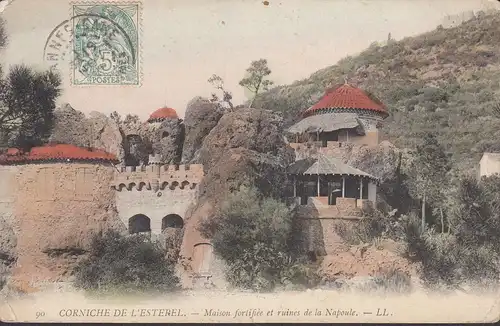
{"type": "Point", "coordinates": [249, 161]}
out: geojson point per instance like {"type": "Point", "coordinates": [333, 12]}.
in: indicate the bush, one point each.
{"type": "Point", "coordinates": [365, 231]}
{"type": "Point", "coordinates": [469, 254]}
{"type": "Point", "coordinates": [387, 281]}
{"type": "Point", "coordinates": [252, 235]}
{"type": "Point", "coordinates": [393, 281]}
{"type": "Point", "coordinates": [125, 263]}
{"type": "Point", "coordinates": [369, 230]}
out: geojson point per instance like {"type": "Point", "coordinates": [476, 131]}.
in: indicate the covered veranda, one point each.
{"type": "Point", "coordinates": [329, 178]}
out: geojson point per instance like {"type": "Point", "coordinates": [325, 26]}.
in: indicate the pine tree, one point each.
{"type": "Point", "coordinates": [428, 175]}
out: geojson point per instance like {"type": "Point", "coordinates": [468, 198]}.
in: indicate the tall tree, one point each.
{"type": "Point", "coordinates": [27, 103]}
{"type": "Point", "coordinates": [257, 78]}
{"type": "Point", "coordinates": [428, 175]}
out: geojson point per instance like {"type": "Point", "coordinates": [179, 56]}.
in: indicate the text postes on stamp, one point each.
{"type": "Point", "coordinates": [106, 44]}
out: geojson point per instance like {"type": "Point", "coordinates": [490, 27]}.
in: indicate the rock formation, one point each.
{"type": "Point", "coordinates": [246, 147]}
{"type": "Point", "coordinates": [384, 161]}
{"type": "Point", "coordinates": [167, 139]}
{"type": "Point", "coordinates": [200, 118]}
{"type": "Point", "coordinates": [98, 130]}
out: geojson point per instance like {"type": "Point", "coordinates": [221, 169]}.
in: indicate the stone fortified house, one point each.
{"type": "Point", "coordinates": [327, 190]}
{"type": "Point", "coordinates": [155, 198]}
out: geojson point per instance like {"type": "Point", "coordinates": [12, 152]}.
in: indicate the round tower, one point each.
{"type": "Point", "coordinates": [167, 134]}
{"type": "Point", "coordinates": [161, 115]}
{"type": "Point", "coordinates": [59, 196]}
{"type": "Point", "coordinates": [344, 114]}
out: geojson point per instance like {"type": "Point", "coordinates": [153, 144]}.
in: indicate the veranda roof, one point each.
{"type": "Point", "coordinates": [325, 165]}
{"type": "Point", "coordinates": [326, 123]}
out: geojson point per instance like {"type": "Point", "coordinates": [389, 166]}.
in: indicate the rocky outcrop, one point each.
{"type": "Point", "coordinates": [381, 161]}
{"type": "Point", "coordinates": [200, 118]}
{"type": "Point", "coordinates": [98, 130]}
{"type": "Point", "coordinates": [105, 134]}
{"type": "Point", "coordinates": [167, 139]}
{"type": "Point", "coordinates": [384, 161]}
{"type": "Point", "coordinates": [366, 260]}
{"type": "Point", "coordinates": [246, 148]}
{"type": "Point", "coordinates": [70, 127]}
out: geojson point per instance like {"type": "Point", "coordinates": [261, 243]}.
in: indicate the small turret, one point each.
{"type": "Point", "coordinates": [155, 159]}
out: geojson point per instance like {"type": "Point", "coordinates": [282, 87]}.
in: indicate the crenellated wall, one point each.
{"type": "Point", "coordinates": [146, 176]}
{"type": "Point", "coordinates": [156, 192]}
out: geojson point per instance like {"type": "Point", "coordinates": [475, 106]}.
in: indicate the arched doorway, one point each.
{"type": "Point", "coordinates": [139, 223]}
{"type": "Point", "coordinates": [202, 258]}
{"type": "Point", "coordinates": [172, 221]}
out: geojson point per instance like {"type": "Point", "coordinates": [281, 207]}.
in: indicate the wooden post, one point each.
{"type": "Point", "coordinates": [294, 186]}
{"type": "Point", "coordinates": [343, 186]}
{"type": "Point", "coordinates": [329, 192]}
{"type": "Point", "coordinates": [361, 188]}
{"type": "Point", "coordinates": [318, 185]}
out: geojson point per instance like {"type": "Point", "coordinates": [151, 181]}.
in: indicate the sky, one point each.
{"type": "Point", "coordinates": [184, 42]}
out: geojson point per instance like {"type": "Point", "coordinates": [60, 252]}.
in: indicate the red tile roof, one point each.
{"type": "Point", "coordinates": [346, 97]}
{"type": "Point", "coordinates": [163, 113]}
{"type": "Point", "coordinates": [55, 152]}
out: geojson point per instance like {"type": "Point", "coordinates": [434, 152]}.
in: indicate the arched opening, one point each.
{"type": "Point", "coordinates": [139, 223]}
{"type": "Point", "coordinates": [202, 258]}
{"type": "Point", "coordinates": [172, 221]}
{"type": "Point", "coordinates": [165, 134]}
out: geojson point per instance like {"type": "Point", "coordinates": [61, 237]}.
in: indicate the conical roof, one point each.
{"type": "Point", "coordinates": [163, 113]}
{"type": "Point", "coordinates": [324, 164]}
{"type": "Point", "coordinates": [346, 97]}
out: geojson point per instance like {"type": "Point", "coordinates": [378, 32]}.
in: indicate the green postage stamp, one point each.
{"type": "Point", "coordinates": [106, 41]}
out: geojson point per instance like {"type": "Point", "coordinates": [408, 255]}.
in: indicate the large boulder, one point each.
{"type": "Point", "coordinates": [167, 139]}
{"type": "Point", "coordinates": [245, 148]}
{"type": "Point", "coordinates": [381, 161]}
{"type": "Point", "coordinates": [105, 134]}
{"type": "Point", "coordinates": [386, 162]}
{"type": "Point", "coordinates": [98, 130]}
{"type": "Point", "coordinates": [260, 131]}
{"type": "Point", "coordinates": [70, 127]}
{"type": "Point", "coordinates": [200, 118]}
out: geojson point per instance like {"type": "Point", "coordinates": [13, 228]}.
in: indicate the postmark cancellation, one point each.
{"type": "Point", "coordinates": [105, 43]}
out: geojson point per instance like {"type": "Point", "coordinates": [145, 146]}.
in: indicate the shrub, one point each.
{"type": "Point", "coordinates": [125, 263]}
{"type": "Point", "coordinates": [370, 229]}
{"type": "Point", "coordinates": [469, 254]}
{"type": "Point", "coordinates": [387, 281]}
{"type": "Point", "coordinates": [252, 235]}
{"type": "Point", "coordinates": [393, 281]}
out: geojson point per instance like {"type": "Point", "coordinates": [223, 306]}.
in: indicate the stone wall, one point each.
{"type": "Point", "coordinates": [318, 234]}
{"type": "Point", "coordinates": [156, 191]}
{"type": "Point", "coordinates": [156, 205]}
{"type": "Point", "coordinates": [58, 208]}
{"type": "Point", "coordinates": [370, 137]}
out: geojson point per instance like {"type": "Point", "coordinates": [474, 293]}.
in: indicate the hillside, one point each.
{"type": "Point", "coordinates": [445, 80]}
